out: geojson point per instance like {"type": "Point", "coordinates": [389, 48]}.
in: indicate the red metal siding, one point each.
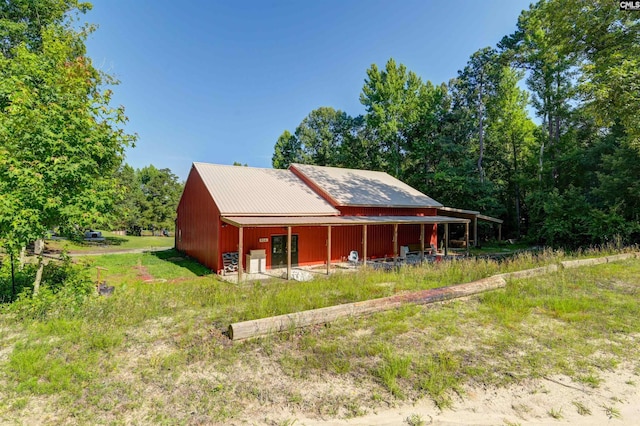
{"type": "Point", "coordinates": [198, 223]}
{"type": "Point", "coordinates": [380, 237]}
{"type": "Point", "coordinates": [312, 241]}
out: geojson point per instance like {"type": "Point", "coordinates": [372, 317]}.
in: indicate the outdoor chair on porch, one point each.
{"type": "Point", "coordinates": [353, 258]}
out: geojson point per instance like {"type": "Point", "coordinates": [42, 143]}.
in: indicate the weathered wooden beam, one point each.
{"type": "Point", "coordinates": [622, 256]}
{"type": "Point", "coordinates": [422, 241]}
{"type": "Point", "coordinates": [582, 262]}
{"type": "Point", "coordinates": [364, 245]}
{"type": "Point", "coordinates": [263, 326]}
{"type": "Point", "coordinates": [240, 250]}
{"type": "Point", "coordinates": [328, 249]}
{"type": "Point", "coordinates": [288, 252]}
{"type": "Point", "coordinates": [466, 236]}
{"type": "Point", "coordinates": [395, 243]}
{"type": "Point", "coordinates": [475, 231]}
{"type": "Point", "coordinates": [446, 239]}
{"type": "Point", "coordinates": [527, 273]}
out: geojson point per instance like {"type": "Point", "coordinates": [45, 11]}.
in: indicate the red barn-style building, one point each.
{"type": "Point", "coordinates": [320, 213]}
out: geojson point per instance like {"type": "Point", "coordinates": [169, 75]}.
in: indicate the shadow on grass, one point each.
{"type": "Point", "coordinates": [108, 241]}
{"type": "Point", "coordinates": [179, 259]}
{"type": "Point", "coordinates": [115, 241]}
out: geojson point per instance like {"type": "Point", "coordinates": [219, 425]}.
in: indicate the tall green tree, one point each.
{"type": "Point", "coordinates": [60, 140]}
{"type": "Point", "coordinates": [392, 100]}
{"type": "Point", "coordinates": [359, 148]}
{"type": "Point", "coordinates": [511, 133]}
{"type": "Point", "coordinates": [550, 63]}
{"type": "Point", "coordinates": [286, 151]}
{"type": "Point", "coordinates": [606, 44]}
{"type": "Point", "coordinates": [477, 83]}
{"type": "Point", "coordinates": [161, 191]}
{"type": "Point", "coordinates": [127, 215]}
{"type": "Point", "coordinates": [320, 135]}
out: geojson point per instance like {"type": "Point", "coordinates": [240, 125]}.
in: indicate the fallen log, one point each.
{"type": "Point", "coordinates": [527, 273]}
{"type": "Point", "coordinates": [263, 326]}
{"type": "Point", "coordinates": [622, 256]}
{"type": "Point", "coordinates": [567, 264]}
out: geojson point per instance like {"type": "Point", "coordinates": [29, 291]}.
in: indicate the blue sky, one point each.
{"type": "Point", "coordinates": [219, 81]}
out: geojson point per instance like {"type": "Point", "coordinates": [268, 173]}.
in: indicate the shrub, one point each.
{"type": "Point", "coordinates": [64, 289]}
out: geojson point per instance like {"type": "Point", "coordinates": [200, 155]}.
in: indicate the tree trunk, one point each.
{"type": "Point", "coordinates": [22, 258]}
{"type": "Point", "coordinates": [517, 187]}
{"type": "Point", "coordinates": [481, 134]}
{"type": "Point", "coordinates": [38, 248]}
{"type": "Point", "coordinates": [13, 278]}
{"type": "Point", "coordinates": [540, 161]}
{"type": "Point", "coordinates": [36, 283]}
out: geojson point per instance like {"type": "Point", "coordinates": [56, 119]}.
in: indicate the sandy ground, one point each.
{"type": "Point", "coordinates": [616, 401]}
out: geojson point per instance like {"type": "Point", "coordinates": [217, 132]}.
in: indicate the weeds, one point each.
{"type": "Point", "coordinates": [582, 409]}
{"type": "Point", "coordinates": [556, 414]}
{"type": "Point", "coordinates": [415, 420]}
{"type": "Point", "coordinates": [158, 348]}
{"type": "Point", "coordinates": [391, 368]}
{"type": "Point", "coordinates": [611, 412]}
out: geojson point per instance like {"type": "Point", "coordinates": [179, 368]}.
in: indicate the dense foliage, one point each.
{"type": "Point", "coordinates": [148, 199]}
{"type": "Point", "coordinates": [570, 180]}
{"type": "Point", "coordinates": [60, 140]}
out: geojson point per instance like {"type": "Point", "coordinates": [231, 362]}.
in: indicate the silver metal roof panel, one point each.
{"type": "Point", "coordinates": [364, 188]}
{"type": "Point", "coordinates": [251, 191]}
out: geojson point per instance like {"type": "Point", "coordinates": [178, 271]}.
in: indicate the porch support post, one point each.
{"type": "Point", "coordinates": [466, 234]}
{"type": "Point", "coordinates": [240, 251]}
{"type": "Point", "coordinates": [475, 231]}
{"type": "Point", "coordinates": [446, 239]}
{"type": "Point", "coordinates": [499, 232]}
{"type": "Point", "coordinates": [288, 252]}
{"type": "Point", "coordinates": [364, 245]}
{"type": "Point", "coordinates": [395, 242]}
{"type": "Point", "coordinates": [422, 241]}
{"type": "Point", "coordinates": [328, 249]}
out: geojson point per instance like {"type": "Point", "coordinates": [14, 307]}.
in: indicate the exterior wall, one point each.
{"type": "Point", "coordinates": [407, 234]}
{"type": "Point", "coordinates": [198, 223]}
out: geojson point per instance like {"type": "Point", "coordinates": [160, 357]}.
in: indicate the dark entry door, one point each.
{"type": "Point", "coordinates": [279, 251]}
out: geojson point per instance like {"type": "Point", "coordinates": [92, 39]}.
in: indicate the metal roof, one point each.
{"type": "Point", "coordinates": [258, 221]}
{"type": "Point", "coordinates": [363, 188]}
{"type": "Point", "coordinates": [450, 211]}
{"type": "Point", "coordinates": [454, 210]}
{"type": "Point", "coordinates": [251, 191]}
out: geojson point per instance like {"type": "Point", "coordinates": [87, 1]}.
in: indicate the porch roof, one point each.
{"type": "Point", "coordinates": [267, 221]}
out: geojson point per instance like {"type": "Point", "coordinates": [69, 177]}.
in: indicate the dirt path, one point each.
{"type": "Point", "coordinates": [109, 251]}
{"type": "Point", "coordinates": [143, 273]}
{"type": "Point", "coordinates": [550, 401]}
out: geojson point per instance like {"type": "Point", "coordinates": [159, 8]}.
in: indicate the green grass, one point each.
{"type": "Point", "coordinates": [112, 242]}
{"type": "Point", "coordinates": [499, 247]}
{"type": "Point", "coordinates": [155, 352]}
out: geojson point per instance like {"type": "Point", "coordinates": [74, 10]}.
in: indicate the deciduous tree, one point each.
{"type": "Point", "coordinates": [60, 140]}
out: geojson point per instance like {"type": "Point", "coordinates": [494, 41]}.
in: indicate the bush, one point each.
{"type": "Point", "coordinates": [64, 289]}
{"type": "Point", "coordinates": [23, 280]}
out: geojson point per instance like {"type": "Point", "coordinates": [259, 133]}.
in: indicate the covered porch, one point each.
{"type": "Point", "coordinates": [329, 222]}
{"type": "Point", "coordinates": [474, 217]}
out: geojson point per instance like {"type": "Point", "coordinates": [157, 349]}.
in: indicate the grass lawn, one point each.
{"type": "Point", "coordinates": [499, 247]}
{"type": "Point", "coordinates": [155, 353]}
{"type": "Point", "coordinates": [112, 243]}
